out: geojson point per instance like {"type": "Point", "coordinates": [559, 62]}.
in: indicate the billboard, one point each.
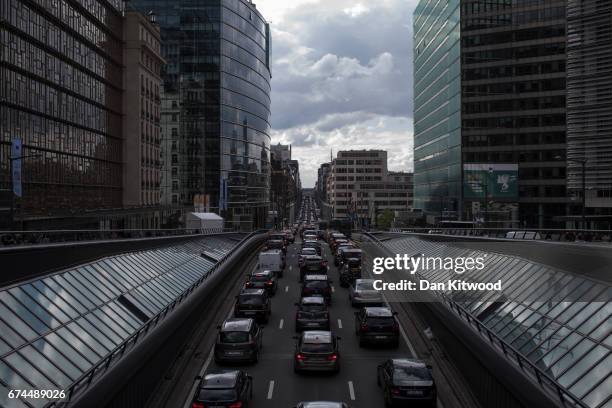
{"type": "Point", "coordinates": [498, 180]}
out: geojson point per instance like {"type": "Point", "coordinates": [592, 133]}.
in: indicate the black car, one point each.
{"type": "Point", "coordinates": [321, 404]}
{"type": "Point", "coordinates": [313, 244]}
{"type": "Point", "coordinates": [312, 313]}
{"type": "Point", "coordinates": [407, 382]}
{"type": "Point", "coordinates": [253, 303]}
{"type": "Point", "coordinates": [338, 252]}
{"type": "Point", "coordinates": [316, 351]}
{"type": "Point", "coordinates": [262, 280]}
{"type": "Point", "coordinates": [224, 389]}
{"type": "Point", "coordinates": [312, 264]}
{"type": "Point", "coordinates": [317, 285]}
{"type": "Point", "coordinates": [377, 325]}
{"type": "Point", "coordinates": [350, 271]}
{"type": "Point", "coordinates": [239, 339]}
{"type": "Point", "coordinates": [349, 253]}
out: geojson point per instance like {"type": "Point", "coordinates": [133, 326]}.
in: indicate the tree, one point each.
{"type": "Point", "coordinates": [385, 220]}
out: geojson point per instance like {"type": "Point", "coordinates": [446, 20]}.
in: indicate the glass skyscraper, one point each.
{"type": "Point", "coordinates": [218, 72]}
{"type": "Point", "coordinates": [437, 106]}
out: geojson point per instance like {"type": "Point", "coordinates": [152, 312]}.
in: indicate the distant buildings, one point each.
{"type": "Point", "coordinates": [286, 186]}
{"type": "Point", "coordinates": [360, 187]}
{"type": "Point", "coordinates": [215, 115]}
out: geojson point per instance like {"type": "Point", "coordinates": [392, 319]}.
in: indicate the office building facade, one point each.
{"type": "Point", "coordinates": [360, 186]}
{"type": "Point", "coordinates": [589, 103]}
{"type": "Point", "coordinates": [61, 98]}
{"type": "Point", "coordinates": [490, 93]}
{"type": "Point", "coordinates": [218, 69]}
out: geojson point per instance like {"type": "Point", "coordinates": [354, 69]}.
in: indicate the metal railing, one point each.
{"type": "Point", "coordinates": [86, 378]}
{"type": "Point", "coordinates": [17, 238]}
{"type": "Point", "coordinates": [557, 235]}
{"type": "Point", "coordinates": [528, 367]}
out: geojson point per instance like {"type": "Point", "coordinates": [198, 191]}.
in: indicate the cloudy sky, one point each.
{"type": "Point", "coordinates": [341, 78]}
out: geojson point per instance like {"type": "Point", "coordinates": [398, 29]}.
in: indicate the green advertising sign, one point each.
{"type": "Point", "coordinates": [497, 180]}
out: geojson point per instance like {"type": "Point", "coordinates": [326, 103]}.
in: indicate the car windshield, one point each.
{"type": "Point", "coordinates": [234, 337]}
{"type": "Point", "coordinates": [317, 347]}
{"type": "Point", "coordinates": [316, 285]}
{"type": "Point", "coordinates": [365, 286]}
{"type": "Point", "coordinates": [212, 395]}
{"type": "Point", "coordinates": [380, 320]}
{"type": "Point", "coordinates": [408, 374]}
{"type": "Point", "coordinates": [251, 299]}
{"type": "Point", "coordinates": [260, 278]}
{"type": "Point", "coordinates": [309, 251]}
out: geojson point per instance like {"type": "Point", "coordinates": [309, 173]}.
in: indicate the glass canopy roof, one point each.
{"type": "Point", "coordinates": [559, 321]}
{"type": "Point", "coordinates": [55, 328]}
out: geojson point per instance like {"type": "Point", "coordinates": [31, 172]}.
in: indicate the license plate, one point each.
{"type": "Point", "coordinates": [413, 392]}
{"type": "Point", "coordinates": [312, 324]}
{"type": "Point", "coordinates": [380, 337]}
{"type": "Point", "coordinates": [233, 353]}
{"type": "Point", "coordinates": [249, 313]}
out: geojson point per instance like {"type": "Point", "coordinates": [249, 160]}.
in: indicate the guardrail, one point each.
{"type": "Point", "coordinates": [566, 398]}
{"type": "Point", "coordinates": [559, 235]}
{"type": "Point", "coordinates": [86, 378]}
{"type": "Point", "coordinates": [17, 238]}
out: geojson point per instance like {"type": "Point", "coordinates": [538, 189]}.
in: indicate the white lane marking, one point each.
{"type": "Point", "coordinates": [270, 389]}
{"type": "Point", "coordinates": [280, 325]}
{"type": "Point", "coordinates": [351, 390]}
{"type": "Point", "coordinates": [290, 267]}
{"type": "Point", "coordinates": [405, 337]}
{"type": "Point", "coordinates": [286, 288]}
{"type": "Point", "coordinates": [339, 323]}
{"type": "Point", "coordinates": [203, 369]}
{"type": "Point", "coordinates": [333, 289]}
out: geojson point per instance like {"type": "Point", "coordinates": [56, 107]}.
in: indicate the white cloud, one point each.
{"type": "Point", "coordinates": [357, 10]}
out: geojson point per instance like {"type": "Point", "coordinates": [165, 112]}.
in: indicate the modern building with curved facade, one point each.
{"type": "Point", "coordinates": [215, 107]}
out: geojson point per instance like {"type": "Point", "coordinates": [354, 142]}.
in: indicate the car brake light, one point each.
{"type": "Point", "coordinates": [299, 357]}
{"type": "Point", "coordinates": [197, 405]}
{"type": "Point", "coordinates": [395, 327]}
{"type": "Point", "coordinates": [333, 357]}
{"type": "Point", "coordinates": [395, 391]}
{"type": "Point", "coordinates": [269, 283]}
{"type": "Point", "coordinates": [249, 284]}
{"type": "Point", "coordinates": [236, 405]}
{"type": "Point", "coordinates": [364, 327]}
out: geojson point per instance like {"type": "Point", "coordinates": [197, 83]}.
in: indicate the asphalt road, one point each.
{"type": "Point", "coordinates": [274, 382]}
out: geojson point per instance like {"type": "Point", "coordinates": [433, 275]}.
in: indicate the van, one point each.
{"type": "Point", "coordinates": [272, 260]}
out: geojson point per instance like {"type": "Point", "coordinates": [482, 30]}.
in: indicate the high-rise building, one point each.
{"type": "Point", "coordinates": [360, 186]}
{"type": "Point", "coordinates": [489, 109]}
{"type": "Point", "coordinates": [218, 72]}
{"type": "Point", "coordinates": [589, 104]}
{"type": "Point", "coordinates": [321, 184]}
{"type": "Point", "coordinates": [286, 187]}
{"type": "Point", "coordinates": [61, 99]}
{"type": "Point", "coordinates": [141, 132]}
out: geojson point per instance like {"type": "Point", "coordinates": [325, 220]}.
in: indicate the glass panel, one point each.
{"type": "Point", "coordinates": [68, 351]}
{"type": "Point", "coordinates": [126, 315]}
{"type": "Point", "coordinates": [60, 296]}
{"type": "Point", "coordinates": [28, 371]}
{"type": "Point", "coordinates": [591, 377]}
{"type": "Point", "coordinates": [139, 301]}
{"type": "Point", "coordinates": [100, 281]}
{"type": "Point", "coordinates": [32, 293]}
{"type": "Point", "coordinates": [585, 363]}
{"type": "Point", "coordinates": [74, 292]}
{"type": "Point", "coordinates": [88, 339]}
{"type": "Point", "coordinates": [12, 379]}
{"type": "Point", "coordinates": [100, 325]}
{"type": "Point", "coordinates": [11, 336]}
{"type": "Point", "coordinates": [46, 349]}
{"type": "Point", "coordinates": [597, 319]}
{"type": "Point", "coordinates": [110, 323]}
{"type": "Point", "coordinates": [152, 299]}
{"type": "Point", "coordinates": [571, 357]}
{"type": "Point", "coordinates": [86, 285]}
{"type": "Point", "coordinates": [557, 351]}
{"type": "Point", "coordinates": [4, 346]}
{"type": "Point", "coordinates": [85, 326]}
{"type": "Point", "coordinates": [85, 289]}
{"type": "Point", "coordinates": [16, 323]}
{"type": "Point", "coordinates": [120, 284]}
{"type": "Point", "coordinates": [46, 367]}
{"type": "Point", "coordinates": [37, 324]}
{"type": "Point", "coordinates": [78, 344]}
{"type": "Point", "coordinates": [599, 394]}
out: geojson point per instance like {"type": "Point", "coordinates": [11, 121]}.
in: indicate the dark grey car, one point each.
{"type": "Point", "coordinates": [312, 314]}
{"type": "Point", "coordinates": [239, 339]}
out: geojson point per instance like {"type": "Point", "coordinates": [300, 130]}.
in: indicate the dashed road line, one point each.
{"type": "Point", "coordinates": [280, 325]}
{"type": "Point", "coordinates": [286, 288]}
{"type": "Point", "coordinates": [351, 390]}
{"type": "Point", "coordinates": [271, 389]}
{"type": "Point", "coordinates": [339, 323]}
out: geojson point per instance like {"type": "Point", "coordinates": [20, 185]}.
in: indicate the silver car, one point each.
{"type": "Point", "coordinates": [362, 293]}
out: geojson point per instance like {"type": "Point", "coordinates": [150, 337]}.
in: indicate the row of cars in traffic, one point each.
{"type": "Point", "coordinates": [317, 346]}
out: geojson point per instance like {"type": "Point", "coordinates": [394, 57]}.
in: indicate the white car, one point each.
{"type": "Point", "coordinates": [362, 293]}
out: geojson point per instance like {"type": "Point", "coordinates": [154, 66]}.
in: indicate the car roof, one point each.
{"type": "Point", "coordinates": [224, 379]}
{"type": "Point", "coordinates": [252, 291]}
{"type": "Point", "coordinates": [236, 324]}
{"type": "Point", "coordinates": [262, 273]}
{"type": "Point", "coordinates": [274, 251]}
{"type": "Point", "coordinates": [312, 256]}
{"type": "Point", "coordinates": [309, 248]}
{"type": "Point", "coordinates": [312, 300]}
{"type": "Point", "coordinates": [363, 281]}
{"type": "Point", "coordinates": [317, 337]}
{"type": "Point", "coordinates": [353, 250]}
{"type": "Point", "coordinates": [378, 312]}
{"type": "Point", "coordinates": [316, 277]}
{"type": "Point", "coordinates": [321, 404]}
{"type": "Point", "coordinates": [408, 362]}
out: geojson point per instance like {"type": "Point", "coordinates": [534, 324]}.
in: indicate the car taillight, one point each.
{"type": "Point", "coordinates": [269, 283]}
{"type": "Point", "coordinates": [333, 357]}
{"type": "Point", "coordinates": [395, 327]}
{"type": "Point", "coordinates": [323, 263]}
{"type": "Point", "coordinates": [364, 327]}
{"type": "Point", "coordinates": [300, 357]}
{"type": "Point", "coordinates": [395, 391]}
{"type": "Point", "coordinates": [236, 405]}
{"type": "Point", "coordinates": [197, 405]}
{"type": "Point", "coordinates": [249, 284]}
